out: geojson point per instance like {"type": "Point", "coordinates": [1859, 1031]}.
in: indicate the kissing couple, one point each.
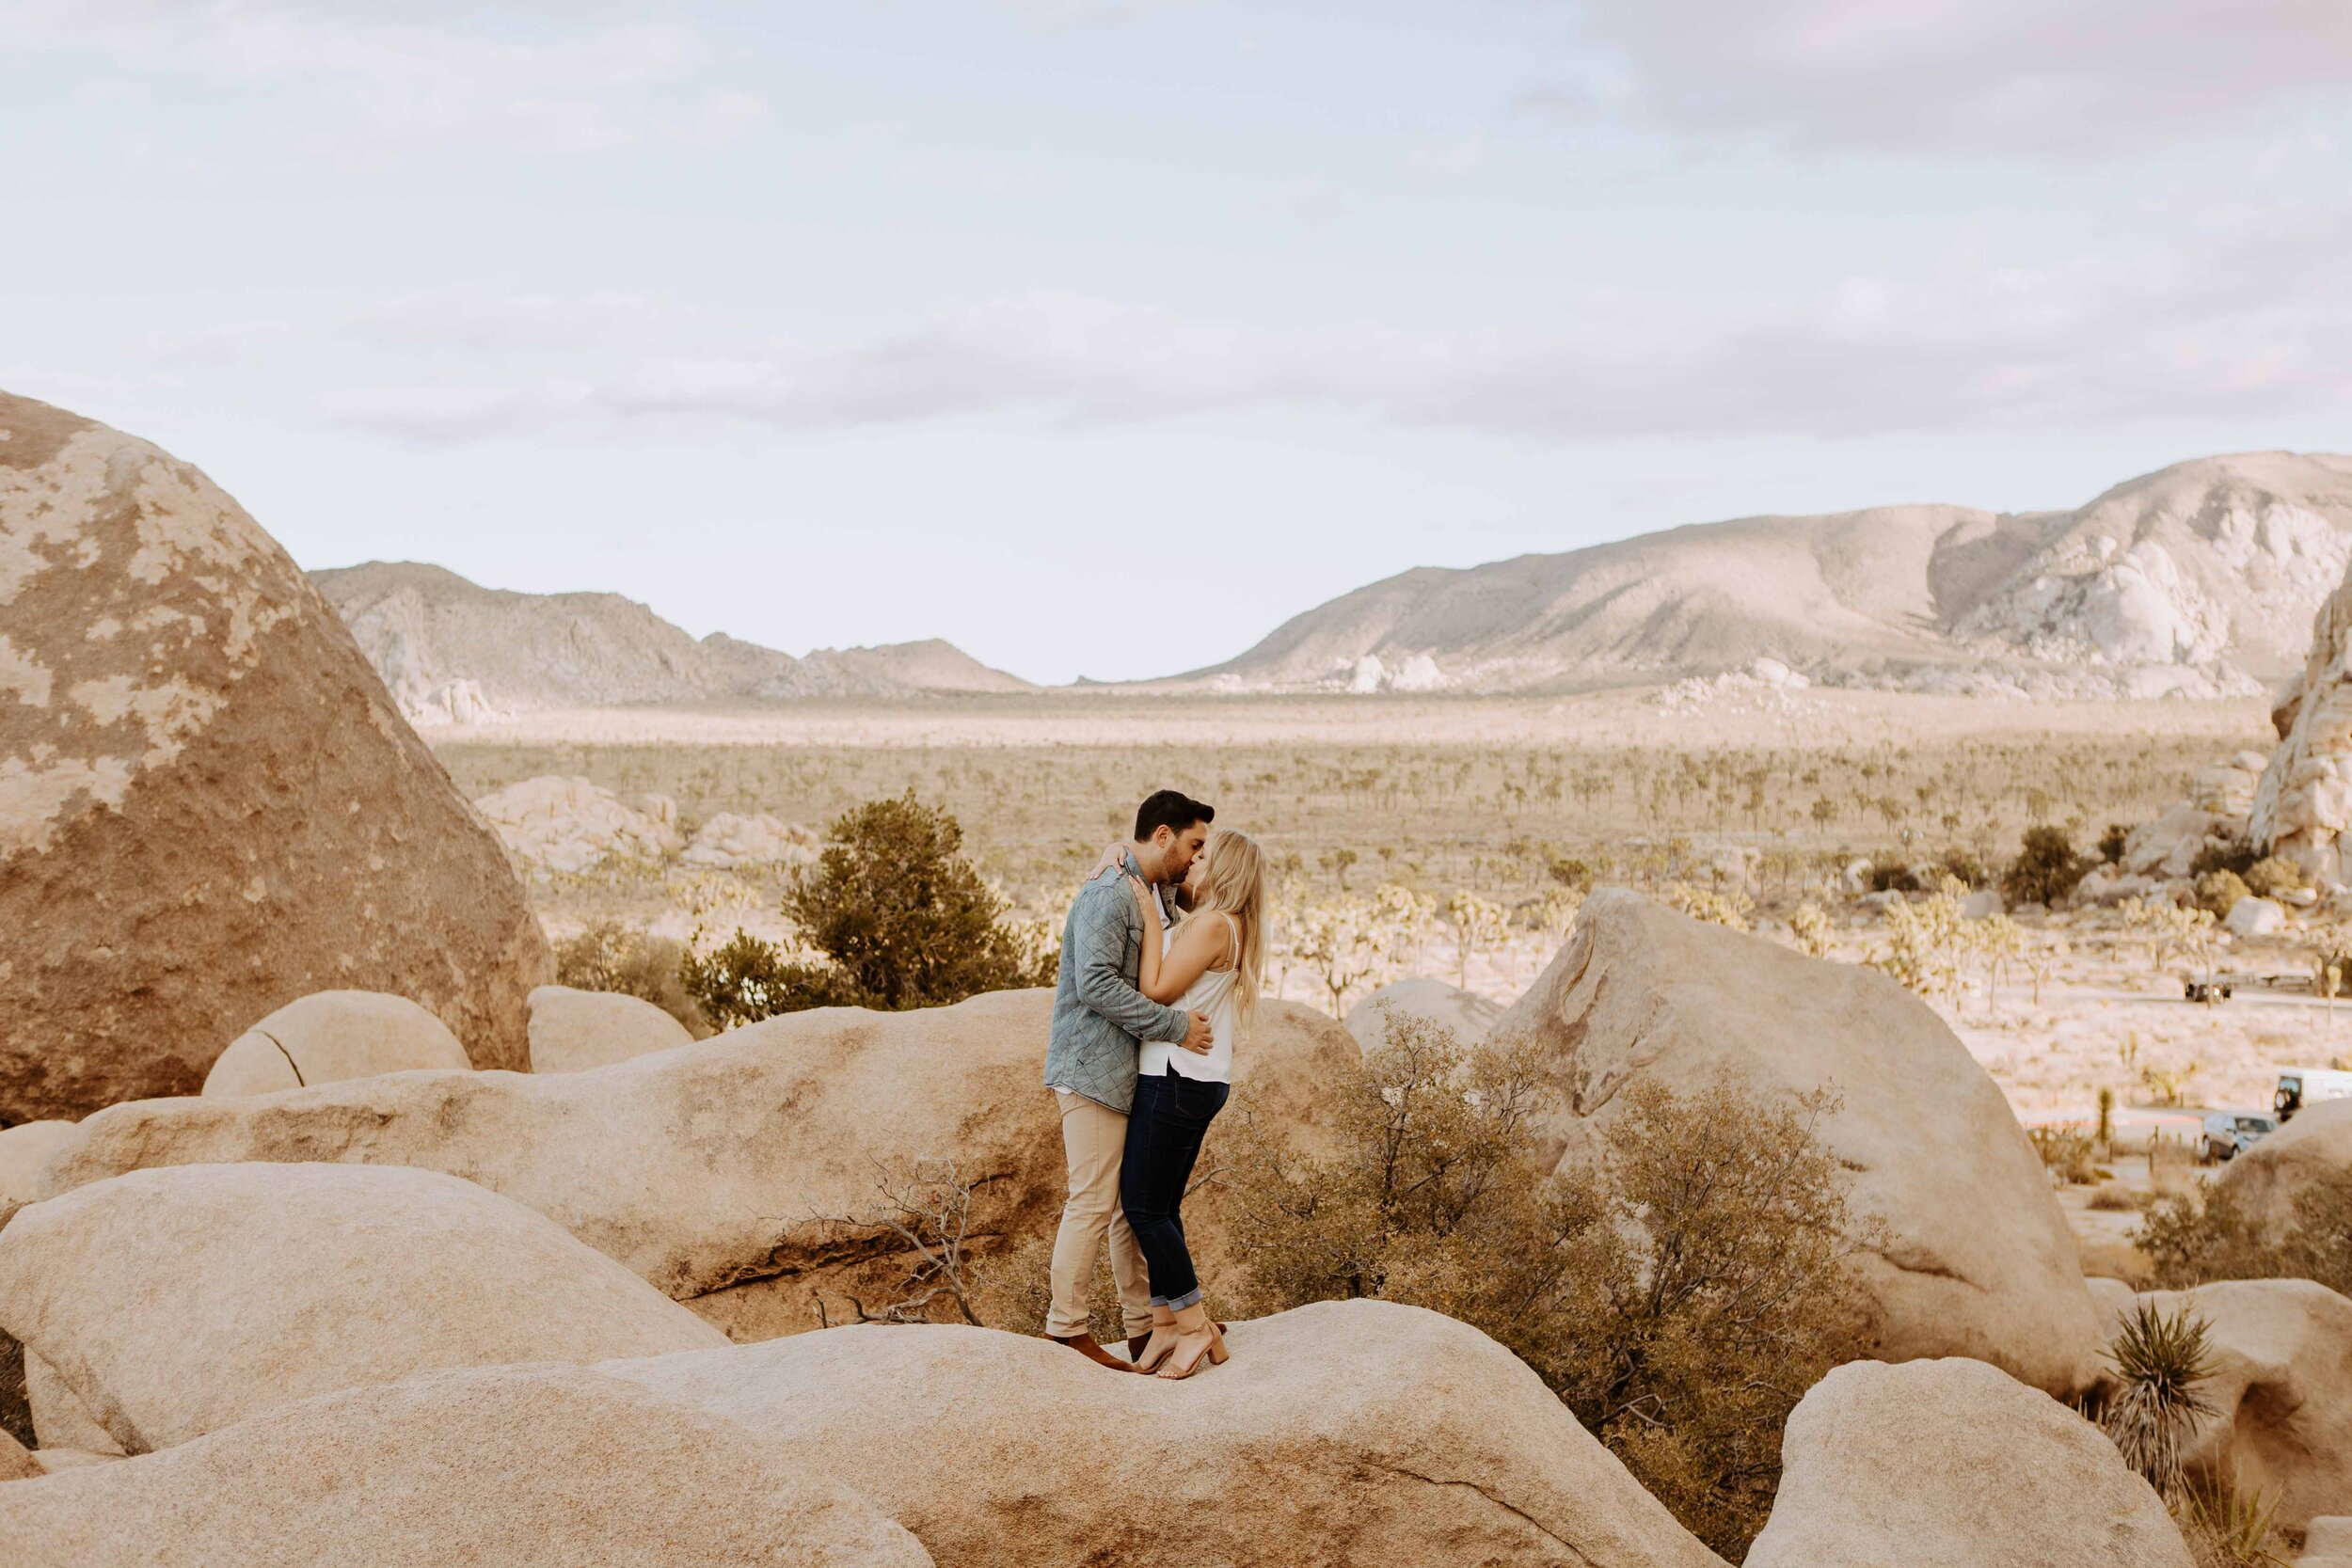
{"type": "Point", "coordinates": [1162, 958]}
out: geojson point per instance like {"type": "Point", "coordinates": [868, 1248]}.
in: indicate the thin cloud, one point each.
{"type": "Point", "coordinates": [2252, 327]}
{"type": "Point", "coordinates": [410, 78]}
{"type": "Point", "coordinates": [1984, 77]}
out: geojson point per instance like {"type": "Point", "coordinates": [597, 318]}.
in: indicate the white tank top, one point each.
{"type": "Point", "coordinates": [1214, 993]}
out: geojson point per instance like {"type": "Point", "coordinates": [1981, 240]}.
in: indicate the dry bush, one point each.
{"type": "Point", "coordinates": [2272, 875]}
{"type": "Point", "coordinates": [1680, 1300]}
{"type": "Point", "coordinates": [2113, 1197]}
{"type": "Point", "coordinates": [2219, 891]}
{"type": "Point", "coordinates": [608, 955]}
{"type": "Point", "coordinates": [2071, 1157]}
{"type": "Point", "coordinates": [2206, 1233]}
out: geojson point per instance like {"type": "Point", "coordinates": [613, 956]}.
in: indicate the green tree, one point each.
{"type": "Point", "coordinates": [2046, 867]}
{"type": "Point", "coordinates": [895, 904]}
{"type": "Point", "coordinates": [902, 914]}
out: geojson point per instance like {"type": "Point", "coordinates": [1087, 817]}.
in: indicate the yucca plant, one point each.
{"type": "Point", "coordinates": [2159, 1360]}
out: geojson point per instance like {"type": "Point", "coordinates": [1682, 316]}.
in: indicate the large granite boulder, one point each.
{"type": "Point", "coordinates": [1976, 1258]}
{"type": "Point", "coordinates": [572, 1030]}
{"type": "Point", "coordinates": [706, 1170]}
{"type": "Point", "coordinates": [208, 804]}
{"type": "Point", "coordinates": [2267, 1180]}
{"type": "Point", "coordinates": [2281, 1390]}
{"type": "Point", "coordinates": [1358, 1432]}
{"type": "Point", "coordinates": [2303, 807]}
{"type": "Point", "coordinates": [175, 1302]}
{"type": "Point", "coordinates": [554, 1466]}
{"type": "Point", "coordinates": [331, 1035]}
{"type": "Point", "coordinates": [1954, 1465]}
{"type": "Point", "coordinates": [1467, 1013]}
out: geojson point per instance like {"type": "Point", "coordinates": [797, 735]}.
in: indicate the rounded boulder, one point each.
{"type": "Point", "coordinates": [1954, 1463]}
{"type": "Point", "coordinates": [330, 1035]}
{"type": "Point", "coordinates": [175, 1302]}
{"type": "Point", "coordinates": [572, 1031]}
{"type": "Point", "coordinates": [554, 1466]}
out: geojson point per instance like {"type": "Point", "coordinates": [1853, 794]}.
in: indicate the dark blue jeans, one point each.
{"type": "Point", "coordinates": [1169, 1117]}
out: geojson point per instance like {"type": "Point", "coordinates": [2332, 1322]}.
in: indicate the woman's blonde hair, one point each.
{"type": "Point", "coordinates": [1233, 881]}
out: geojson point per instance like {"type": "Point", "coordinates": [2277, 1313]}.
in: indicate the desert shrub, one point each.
{"type": "Point", "coordinates": [2046, 867]}
{"type": "Point", "coordinates": [1810, 927]}
{"type": "Point", "coordinates": [1893, 877]}
{"type": "Point", "coordinates": [1729, 909]}
{"type": "Point", "coordinates": [2113, 1197]}
{"type": "Point", "coordinates": [905, 918]}
{"type": "Point", "coordinates": [2206, 1233]}
{"type": "Point", "coordinates": [2233, 855]}
{"type": "Point", "coordinates": [2069, 1156]}
{"type": "Point", "coordinates": [1681, 1298]}
{"type": "Point", "coordinates": [608, 955]}
{"type": "Point", "coordinates": [746, 978]}
{"type": "Point", "coordinates": [1963, 866]}
{"type": "Point", "coordinates": [2217, 892]}
{"type": "Point", "coordinates": [2113, 841]}
{"type": "Point", "coordinates": [2273, 875]}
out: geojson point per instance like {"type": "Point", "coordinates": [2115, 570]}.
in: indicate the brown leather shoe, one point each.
{"type": "Point", "coordinates": [1135, 1348]}
{"type": "Point", "coordinates": [1083, 1343]}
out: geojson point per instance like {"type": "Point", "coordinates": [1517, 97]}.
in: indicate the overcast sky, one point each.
{"type": "Point", "coordinates": [855, 323]}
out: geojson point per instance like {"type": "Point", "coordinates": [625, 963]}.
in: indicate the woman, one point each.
{"type": "Point", "coordinates": [1212, 961]}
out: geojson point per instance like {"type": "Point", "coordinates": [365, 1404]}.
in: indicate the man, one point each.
{"type": "Point", "coordinates": [1099, 1019]}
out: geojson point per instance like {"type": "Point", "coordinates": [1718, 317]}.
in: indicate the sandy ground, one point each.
{"type": "Point", "coordinates": [1642, 716]}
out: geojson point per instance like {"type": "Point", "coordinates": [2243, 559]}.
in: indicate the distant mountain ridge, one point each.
{"type": "Point", "coordinates": [450, 649]}
{"type": "Point", "coordinates": [2199, 579]}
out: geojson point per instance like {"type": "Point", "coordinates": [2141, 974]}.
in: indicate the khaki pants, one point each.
{"type": "Point", "coordinates": [1094, 1137]}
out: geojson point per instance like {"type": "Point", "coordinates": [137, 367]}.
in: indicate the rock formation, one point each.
{"type": "Point", "coordinates": [2280, 1388]}
{"type": "Point", "coordinates": [703, 1171]}
{"type": "Point", "coordinates": [1467, 1013]}
{"type": "Point", "coordinates": [1953, 1464]}
{"type": "Point", "coordinates": [1354, 1432]}
{"type": "Point", "coordinates": [331, 1035]}
{"type": "Point", "coordinates": [557, 1468]}
{"type": "Point", "coordinates": [554, 824]}
{"type": "Point", "coordinates": [1975, 1259]}
{"type": "Point", "coordinates": [2269, 1178]}
{"type": "Point", "coordinates": [175, 1302]}
{"type": "Point", "coordinates": [2304, 806]}
{"type": "Point", "coordinates": [208, 804]}
{"type": "Point", "coordinates": [572, 1031]}
{"type": "Point", "coordinates": [729, 840]}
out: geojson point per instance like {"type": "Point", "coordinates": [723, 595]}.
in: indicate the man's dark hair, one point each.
{"type": "Point", "coordinates": [1170, 809]}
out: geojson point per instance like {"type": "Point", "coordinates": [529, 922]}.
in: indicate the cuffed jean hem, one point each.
{"type": "Point", "coordinates": [1178, 1303]}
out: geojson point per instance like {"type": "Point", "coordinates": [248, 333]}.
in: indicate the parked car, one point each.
{"type": "Point", "coordinates": [2211, 992]}
{"type": "Point", "coordinates": [2299, 1086]}
{"type": "Point", "coordinates": [2231, 1133]}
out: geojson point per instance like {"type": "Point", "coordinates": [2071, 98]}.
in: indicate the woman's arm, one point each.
{"type": "Point", "coordinates": [1147, 962]}
{"type": "Point", "coordinates": [1199, 944]}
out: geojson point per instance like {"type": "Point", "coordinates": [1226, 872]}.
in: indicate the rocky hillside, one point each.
{"type": "Point", "coordinates": [2198, 579]}
{"type": "Point", "coordinates": [453, 651]}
